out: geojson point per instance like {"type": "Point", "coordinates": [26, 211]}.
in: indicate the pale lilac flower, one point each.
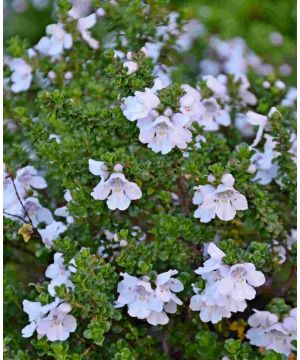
{"type": "Point", "coordinates": [215, 261]}
{"type": "Point", "coordinates": [51, 233]}
{"type": "Point", "coordinates": [166, 286]}
{"type": "Point", "coordinates": [239, 281]}
{"type": "Point", "coordinates": [280, 251]}
{"type": "Point", "coordinates": [58, 324]}
{"type": "Point", "coordinates": [268, 332]}
{"type": "Point", "coordinates": [246, 97]}
{"type": "Point", "coordinates": [153, 49]}
{"type": "Point", "coordinates": [28, 177]}
{"type": "Point", "coordinates": [68, 75]}
{"type": "Point", "coordinates": [131, 67]}
{"type": "Point", "coordinates": [140, 105]}
{"type": "Point", "coordinates": [190, 104]}
{"type": "Point", "coordinates": [58, 274]}
{"type": "Point", "coordinates": [21, 75]}
{"type": "Point", "coordinates": [218, 300]}
{"type": "Point", "coordinates": [98, 168]}
{"type": "Point", "coordinates": [266, 84]}
{"type": "Point", "coordinates": [209, 313]}
{"type": "Point", "coordinates": [290, 98]}
{"type": "Point", "coordinates": [243, 125]}
{"type": "Point", "coordinates": [290, 323]}
{"type": "Point", "coordinates": [222, 201]}
{"type": "Point", "coordinates": [190, 32]}
{"type": "Point", "coordinates": [79, 8]}
{"type": "Point", "coordinates": [55, 42]}
{"type": "Point", "coordinates": [158, 318]}
{"type": "Point", "coordinates": [35, 311]}
{"type": "Point", "coordinates": [146, 303]}
{"type": "Point", "coordinates": [285, 69]}
{"type": "Point", "coordinates": [63, 211]}
{"type": "Point", "coordinates": [165, 132]}
{"type": "Point", "coordinates": [162, 77]}
{"type": "Point", "coordinates": [11, 203]}
{"type": "Point", "coordinates": [267, 169]}
{"type": "Point", "coordinates": [280, 84]}
{"type": "Point", "coordinates": [36, 212]}
{"type": "Point", "coordinates": [218, 86]}
{"type": "Point", "coordinates": [276, 38]}
{"type": "Point", "coordinates": [83, 25]}
{"type": "Point", "coordinates": [213, 115]}
{"type": "Point", "coordinates": [138, 296]}
{"type": "Point", "coordinates": [118, 191]}
{"type": "Point", "coordinates": [258, 120]}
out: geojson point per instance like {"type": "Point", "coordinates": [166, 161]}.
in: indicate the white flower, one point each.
{"type": "Point", "coordinates": [83, 25]}
{"type": "Point", "coordinates": [258, 120]}
{"type": "Point", "coordinates": [245, 95]}
{"type": "Point", "coordinates": [21, 75]}
{"type": "Point", "coordinates": [239, 281]}
{"type": "Point", "coordinates": [276, 38]}
{"type": "Point", "coordinates": [268, 332]}
{"type": "Point", "coordinates": [54, 44]}
{"type": "Point", "coordinates": [63, 211]}
{"type": "Point", "coordinates": [222, 201]}
{"type": "Point", "coordinates": [213, 115]}
{"type": "Point", "coordinates": [153, 49]}
{"type": "Point", "coordinates": [51, 233]}
{"type": "Point", "coordinates": [166, 285]}
{"type": "Point", "coordinates": [35, 311]}
{"type": "Point", "coordinates": [140, 105]}
{"type": "Point", "coordinates": [215, 261]}
{"type": "Point", "coordinates": [165, 132]}
{"type": "Point", "coordinates": [226, 287]}
{"type": "Point", "coordinates": [290, 325]}
{"type": "Point", "coordinates": [58, 324]}
{"type": "Point", "coordinates": [28, 178]}
{"type": "Point", "coordinates": [158, 318]}
{"type": "Point", "coordinates": [259, 322]}
{"type": "Point", "coordinates": [146, 303]}
{"type": "Point", "coordinates": [138, 295]}
{"type": "Point", "coordinates": [290, 98]}
{"type": "Point", "coordinates": [243, 125]}
{"type": "Point", "coordinates": [190, 32]}
{"type": "Point", "coordinates": [280, 84]}
{"type": "Point", "coordinates": [98, 168]}
{"type": "Point", "coordinates": [11, 203]}
{"type": "Point", "coordinates": [118, 191]}
{"type": "Point", "coordinates": [190, 104]}
{"type": "Point", "coordinates": [208, 313]}
{"type": "Point", "coordinates": [79, 8]}
{"type": "Point", "coordinates": [217, 86]}
{"type": "Point", "coordinates": [280, 251]}
{"type": "Point", "coordinates": [285, 69]}
{"type": "Point", "coordinates": [266, 84]}
{"type": "Point", "coordinates": [267, 169]}
{"type": "Point", "coordinates": [131, 67]}
{"type": "Point", "coordinates": [36, 212]}
{"type": "Point", "coordinates": [162, 77]}
{"type": "Point", "coordinates": [293, 149]}
{"type": "Point", "coordinates": [58, 274]}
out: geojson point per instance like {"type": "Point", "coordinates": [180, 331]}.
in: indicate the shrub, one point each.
{"type": "Point", "coordinates": [149, 201]}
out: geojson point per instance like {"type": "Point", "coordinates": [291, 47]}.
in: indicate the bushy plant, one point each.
{"type": "Point", "coordinates": [149, 190]}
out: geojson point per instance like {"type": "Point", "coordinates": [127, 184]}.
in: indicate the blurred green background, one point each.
{"type": "Point", "coordinates": [253, 20]}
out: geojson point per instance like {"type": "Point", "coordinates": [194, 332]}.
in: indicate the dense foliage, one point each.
{"type": "Point", "coordinates": [94, 189]}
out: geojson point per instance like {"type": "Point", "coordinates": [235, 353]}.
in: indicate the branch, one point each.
{"type": "Point", "coordinates": [19, 198]}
